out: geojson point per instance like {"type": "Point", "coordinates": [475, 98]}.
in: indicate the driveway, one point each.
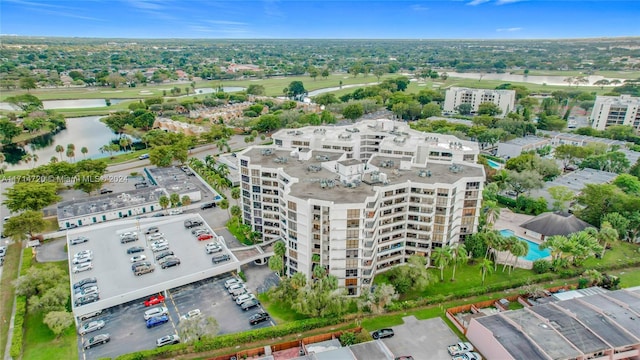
{"type": "Point", "coordinates": [422, 339]}
{"type": "Point", "coordinates": [53, 250]}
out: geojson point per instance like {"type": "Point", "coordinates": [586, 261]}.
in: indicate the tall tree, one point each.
{"type": "Point", "coordinates": [60, 150]}
{"type": "Point", "coordinates": [28, 222]}
{"type": "Point", "coordinates": [164, 202]}
{"type": "Point", "coordinates": [442, 256]}
{"type": "Point", "coordinates": [460, 256]}
{"type": "Point", "coordinates": [88, 181]}
{"type": "Point", "coordinates": [174, 199]}
{"type": "Point", "coordinates": [607, 236]}
{"type": "Point", "coordinates": [486, 267]}
{"type": "Point", "coordinates": [84, 151]}
{"type": "Point", "coordinates": [58, 321]}
{"type": "Point", "coordinates": [30, 196]}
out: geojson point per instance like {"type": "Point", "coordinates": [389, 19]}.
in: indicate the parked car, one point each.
{"type": "Point", "coordinates": [86, 291]}
{"type": "Point", "coordinates": [191, 314]}
{"type": "Point", "coordinates": [145, 269]}
{"type": "Point", "coordinates": [242, 298]}
{"type": "Point", "coordinates": [137, 258]}
{"type": "Point", "coordinates": [203, 237]}
{"type": "Point", "coordinates": [199, 231]}
{"type": "Point", "coordinates": [154, 300]}
{"type": "Point", "coordinates": [208, 205]}
{"type": "Point", "coordinates": [157, 320]}
{"type": "Point", "coordinates": [83, 289]}
{"type": "Point", "coordinates": [249, 304]}
{"type": "Point", "coordinates": [84, 300]}
{"type": "Point", "coordinates": [468, 356]}
{"type": "Point", "coordinates": [135, 249]}
{"type": "Point", "coordinates": [140, 185]}
{"type": "Point", "coordinates": [160, 214]}
{"type": "Point", "coordinates": [233, 287]}
{"type": "Point", "coordinates": [84, 282]}
{"type": "Point", "coordinates": [91, 326]}
{"type": "Point", "coordinates": [382, 333]}
{"type": "Point", "coordinates": [171, 262]}
{"type": "Point", "coordinates": [159, 242]}
{"type": "Point", "coordinates": [90, 315]}
{"type": "Point", "coordinates": [128, 239]}
{"type": "Point", "coordinates": [105, 191]}
{"type": "Point", "coordinates": [156, 236]}
{"type": "Point", "coordinates": [129, 233]}
{"type": "Point", "coordinates": [160, 247]}
{"type": "Point", "coordinates": [143, 156]}
{"type": "Point", "coordinates": [408, 357]}
{"type": "Point", "coordinates": [232, 281]}
{"type": "Point", "coordinates": [212, 247]}
{"type": "Point", "coordinates": [459, 348]}
{"type": "Point", "coordinates": [168, 340]}
{"type": "Point", "coordinates": [175, 212]}
{"type": "Point", "coordinates": [82, 259]}
{"type": "Point", "coordinates": [238, 292]}
{"type": "Point", "coordinates": [83, 253]}
{"type": "Point", "coordinates": [156, 311]}
{"type": "Point", "coordinates": [258, 318]}
{"type": "Point", "coordinates": [96, 340]}
{"type": "Point", "coordinates": [151, 230]}
{"type": "Point", "coordinates": [220, 258]}
{"type": "Point", "coordinates": [190, 223]}
{"type": "Point", "coordinates": [83, 267]}
{"type": "Point", "coordinates": [78, 240]}
{"type": "Point", "coordinates": [164, 254]}
{"type": "Point", "coordinates": [136, 265]}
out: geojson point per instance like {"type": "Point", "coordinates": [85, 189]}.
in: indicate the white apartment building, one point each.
{"type": "Point", "coordinates": [456, 96]}
{"type": "Point", "coordinates": [616, 110]}
{"type": "Point", "coordinates": [357, 200]}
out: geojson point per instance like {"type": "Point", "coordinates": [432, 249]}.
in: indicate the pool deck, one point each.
{"type": "Point", "coordinates": [510, 220]}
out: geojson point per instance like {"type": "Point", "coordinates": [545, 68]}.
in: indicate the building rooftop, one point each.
{"type": "Point", "coordinates": [173, 179]}
{"type": "Point", "coordinates": [318, 174]}
{"type": "Point", "coordinates": [510, 337]}
{"type": "Point", "coordinates": [578, 179]}
{"type": "Point", "coordinates": [581, 138]}
{"type": "Point", "coordinates": [555, 223]}
{"type": "Point", "coordinates": [370, 350]}
{"type": "Point", "coordinates": [109, 202]}
{"type": "Point", "coordinates": [527, 140]}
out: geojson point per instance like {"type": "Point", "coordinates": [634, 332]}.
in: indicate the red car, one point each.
{"type": "Point", "coordinates": [203, 237]}
{"type": "Point", "coordinates": [154, 300]}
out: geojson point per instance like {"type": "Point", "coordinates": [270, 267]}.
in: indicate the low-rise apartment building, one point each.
{"type": "Point", "coordinates": [357, 200]}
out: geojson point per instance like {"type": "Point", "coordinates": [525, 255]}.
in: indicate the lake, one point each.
{"type": "Point", "coordinates": [224, 88]}
{"type": "Point", "coordinates": [532, 79]}
{"type": "Point", "coordinates": [81, 131]}
{"type": "Point", "coordinates": [69, 104]}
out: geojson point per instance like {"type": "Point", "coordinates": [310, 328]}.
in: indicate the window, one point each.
{"type": "Point", "coordinates": [352, 254]}
{"type": "Point", "coordinates": [351, 273]}
{"type": "Point", "coordinates": [292, 205]}
{"type": "Point", "coordinates": [353, 213]}
{"type": "Point", "coordinates": [352, 243]}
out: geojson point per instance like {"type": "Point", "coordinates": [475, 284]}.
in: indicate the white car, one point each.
{"type": "Point", "coordinates": [156, 236]}
{"type": "Point", "coordinates": [246, 297]}
{"type": "Point", "coordinates": [232, 282]}
{"type": "Point", "coordinates": [175, 212]}
{"type": "Point", "coordinates": [213, 247]}
{"type": "Point", "coordinates": [88, 291]}
{"type": "Point", "coordinates": [160, 242]}
{"type": "Point", "coordinates": [83, 253]}
{"type": "Point", "coordinates": [129, 234]}
{"type": "Point", "coordinates": [138, 258]}
{"type": "Point", "coordinates": [160, 247]}
{"type": "Point", "coordinates": [83, 267]}
{"type": "Point", "coordinates": [83, 259]}
{"type": "Point", "coordinates": [156, 311]}
{"type": "Point", "coordinates": [234, 287]}
{"type": "Point", "coordinates": [191, 314]}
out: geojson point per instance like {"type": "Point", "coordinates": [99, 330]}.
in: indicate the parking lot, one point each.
{"type": "Point", "coordinates": [112, 265]}
{"type": "Point", "coordinates": [414, 337]}
{"type": "Point", "coordinates": [126, 326]}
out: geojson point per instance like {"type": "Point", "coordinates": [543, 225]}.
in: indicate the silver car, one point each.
{"type": "Point", "coordinates": [156, 311]}
{"type": "Point", "coordinates": [91, 326]}
{"type": "Point", "coordinates": [82, 267]}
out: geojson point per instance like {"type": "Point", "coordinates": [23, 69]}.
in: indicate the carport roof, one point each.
{"type": "Point", "coordinates": [111, 202]}
{"type": "Point", "coordinates": [511, 338]}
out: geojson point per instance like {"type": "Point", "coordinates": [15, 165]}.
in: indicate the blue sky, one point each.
{"type": "Point", "coordinates": [357, 19]}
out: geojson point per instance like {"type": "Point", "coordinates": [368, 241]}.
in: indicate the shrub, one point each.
{"type": "Point", "coordinates": [347, 338]}
{"type": "Point", "coordinates": [541, 266]}
{"type": "Point", "coordinates": [18, 329]}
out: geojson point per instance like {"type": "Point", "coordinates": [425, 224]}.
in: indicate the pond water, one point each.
{"type": "Point", "coordinates": [85, 131]}
{"type": "Point", "coordinates": [532, 79]}
{"type": "Point", "coordinates": [224, 88]}
{"type": "Point", "coordinates": [69, 104]}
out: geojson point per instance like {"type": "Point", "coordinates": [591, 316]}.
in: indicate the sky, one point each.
{"type": "Point", "coordinates": [328, 19]}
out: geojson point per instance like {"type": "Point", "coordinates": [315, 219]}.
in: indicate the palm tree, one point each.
{"type": "Point", "coordinates": [492, 239]}
{"type": "Point", "coordinates": [84, 151]}
{"type": "Point", "coordinates": [186, 200]}
{"type": "Point", "coordinates": [53, 160]}
{"type": "Point", "coordinates": [235, 194]}
{"type": "Point", "coordinates": [520, 248]}
{"type": "Point", "coordinates": [164, 202]}
{"type": "Point", "coordinates": [209, 160]}
{"type": "Point", "coordinates": [70, 154]}
{"type": "Point", "coordinates": [486, 267]}
{"type": "Point", "coordinates": [223, 169]}
{"type": "Point", "coordinates": [125, 142]}
{"type": "Point", "coordinates": [175, 199]}
{"type": "Point", "coordinates": [441, 258]}
{"type": "Point", "coordinates": [607, 236]}
{"type": "Point", "coordinates": [460, 257]}
{"type": "Point", "coordinates": [222, 144]}
{"type": "Point", "coordinates": [35, 158]}
{"type": "Point", "coordinates": [60, 150]}
{"type": "Point", "coordinates": [276, 264]}
{"type": "Point", "coordinates": [27, 158]}
{"type": "Point", "coordinates": [224, 204]}
{"type": "Point", "coordinates": [491, 212]}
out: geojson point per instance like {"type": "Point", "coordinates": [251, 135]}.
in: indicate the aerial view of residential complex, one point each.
{"type": "Point", "coordinates": [320, 180]}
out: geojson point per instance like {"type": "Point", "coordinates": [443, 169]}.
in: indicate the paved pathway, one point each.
{"type": "Point", "coordinates": [53, 250]}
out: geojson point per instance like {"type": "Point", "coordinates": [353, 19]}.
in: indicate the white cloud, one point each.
{"type": "Point", "coordinates": [418, 7]}
{"type": "Point", "coordinates": [225, 22]}
{"type": "Point", "coordinates": [502, 2]}
{"type": "Point", "coordinates": [513, 29]}
{"type": "Point", "coordinates": [145, 4]}
{"type": "Point", "coordinates": [477, 2]}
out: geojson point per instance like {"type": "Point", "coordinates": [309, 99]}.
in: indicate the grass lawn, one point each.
{"type": "Point", "coordinates": [278, 310]}
{"type": "Point", "coordinates": [42, 344]}
{"type": "Point", "coordinates": [9, 273]}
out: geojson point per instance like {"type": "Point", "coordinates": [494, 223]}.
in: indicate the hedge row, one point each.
{"type": "Point", "coordinates": [494, 158]}
{"type": "Point", "coordinates": [18, 324]}
{"type": "Point", "coordinates": [232, 340]}
{"type": "Point", "coordinates": [27, 258]}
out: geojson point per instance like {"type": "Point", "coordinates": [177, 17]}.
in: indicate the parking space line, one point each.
{"type": "Point", "coordinates": [177, 311]}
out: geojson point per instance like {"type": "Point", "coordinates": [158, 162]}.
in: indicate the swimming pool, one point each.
{"type": "Point", "coordinates": [494, 164]}
{"type": "Point", "coordinates": [534, 253]}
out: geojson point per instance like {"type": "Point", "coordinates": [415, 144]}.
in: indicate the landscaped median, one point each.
{"type": "Point", "coordinates": [7, 295]}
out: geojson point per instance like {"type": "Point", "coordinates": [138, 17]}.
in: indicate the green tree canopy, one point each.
{"type": "Point", "coordinates": [28, 222]}
{"type": "Point", "coordinates": [31, 196]}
